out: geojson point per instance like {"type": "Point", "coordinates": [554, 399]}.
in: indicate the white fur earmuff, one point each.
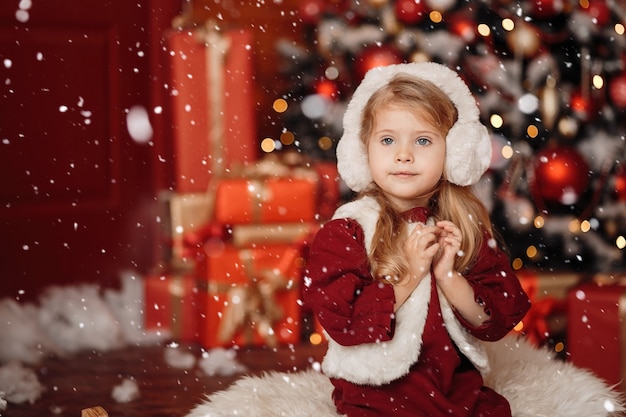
{"type": "Point", "coordinates": [468, 144]}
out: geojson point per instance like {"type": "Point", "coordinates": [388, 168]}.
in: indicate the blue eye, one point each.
{"type": "Point", "coordinates": [422, 141]}
{"type": "Point", "coordinates": [386, 141]}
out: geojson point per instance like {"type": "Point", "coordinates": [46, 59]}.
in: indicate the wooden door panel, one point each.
{"type": "Point", "coordinates": [77, 194]}
{"type": "Point", "coordinates": [59, 148]}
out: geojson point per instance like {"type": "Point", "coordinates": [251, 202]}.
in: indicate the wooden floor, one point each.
{"type": "Point", "coordinates": [85, 380]}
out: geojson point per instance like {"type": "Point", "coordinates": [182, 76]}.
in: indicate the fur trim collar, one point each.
{"type": "Point", "coordinates": [468, 145]}
{"type": "Point", "coordinates": [398, 354]}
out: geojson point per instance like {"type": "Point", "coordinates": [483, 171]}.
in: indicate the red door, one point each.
{"type": "Point", "coordinates": [76, 189]}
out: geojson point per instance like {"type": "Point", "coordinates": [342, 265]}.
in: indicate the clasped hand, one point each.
{"type": "Point", "coordinates": [433, 246]}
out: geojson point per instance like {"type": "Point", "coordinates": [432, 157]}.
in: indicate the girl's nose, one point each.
{"type": "Point", "coordinates": [404, 156]}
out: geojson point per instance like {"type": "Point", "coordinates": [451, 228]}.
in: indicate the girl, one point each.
{"type": "Point", "coordinates": [407, 278]}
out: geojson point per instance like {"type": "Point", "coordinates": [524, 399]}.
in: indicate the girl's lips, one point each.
{"type": "Point", "coordinates": [403, 174]}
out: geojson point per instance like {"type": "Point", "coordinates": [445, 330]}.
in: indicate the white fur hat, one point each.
{"type": "Point", "coordinates": [468, 145]}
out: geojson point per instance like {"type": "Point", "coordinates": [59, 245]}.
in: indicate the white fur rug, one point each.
{"type": "Point", "coordinates": [535, 383]}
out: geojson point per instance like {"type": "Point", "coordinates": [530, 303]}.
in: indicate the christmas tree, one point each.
{"type": "Point", "coordinates": [550, 80]}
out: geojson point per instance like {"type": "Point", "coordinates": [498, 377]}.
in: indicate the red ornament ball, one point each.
{"type": "Point", "coordinates": [327, 88]}
{"type": "Point", "coordinates": [581, 106]}
{"type": "Point", "coordinates": [375, 56]}
{"type": "Point", "coordinates": [410, 12]}
{"type": "Point", "coordinates": [617, 91]}
{"type": "Point", "coordinates": [465, 28]}
{"type": "Point", "coordinates": [311, 10]}
{"type": "Point", "coordinates": [561, 175]}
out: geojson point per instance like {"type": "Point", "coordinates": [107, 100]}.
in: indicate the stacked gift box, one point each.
{"type": "Point", "coordinates": [597, 327]}
{"type": "Point", "coordinates": [234, 227]}
{"type": "Point", "coordinates": [546, 321]}
{"type": "Point", "coordinates": [250, 257]}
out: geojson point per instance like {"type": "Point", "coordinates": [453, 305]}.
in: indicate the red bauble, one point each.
{"type": "Point", "coordinates": [311, 10]}
{"type": "Point", "coordinates": [327, 88]}
{"type": "Point", "coordinates": [581, 106]}
{"type": "Point", "coordinates": [465, 28]}
{"type": "Point", "coordinates": [410, 12]}
{"type": "Point", "coordinates": [617, 91]}
{"type": "Point", "coordinates": [375, 56]}
{"type": "Point", "coordinates": [561, 175]}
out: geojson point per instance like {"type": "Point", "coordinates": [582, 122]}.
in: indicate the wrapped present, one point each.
{"type": "Point", "coordinates": [265, 200]}
{"type": "Point", "coordinates": [250, 296]}
{"type": "Point", "coordinates": [182, 215]}
{"type": "Point", "coordinates": [212, 104]}
{"type": "Point", "coordinates": [171, 305]}
{"type": "Point", "coordinates": [596, 329]}
{"type": "Point", "coordinates": [548, 294]}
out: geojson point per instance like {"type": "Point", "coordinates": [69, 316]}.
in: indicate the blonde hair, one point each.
{"type": "Point", "coordinates": [448, 201]}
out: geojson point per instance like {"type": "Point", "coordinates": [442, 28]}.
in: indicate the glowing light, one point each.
{"type": "Point", "coordinates": [620, 242]}
{"type": "Point", "coordinates": [531, 251]}
{"type": "Point", "coordinates": [484, 30]}
{"type": "Point", "coordinates": [508, 24]}
{"type": "Point", "coordinates": [435, 16]}
{"type": "Point", "coordinates": [315, 338]}
{"type": "Point", "coordinates": [517, 264]}
{"type": "Point", "coordinates": [507, 151]}
{"type": "Point", "coordinates": [496, 121]}
{"type": "Point", "coordinates": [619, 29]}
{"type": "Point", "coordinates": [574, 226]}
{"type": "Point", "coordinates": [325, 143]}
{"type": "Point", "coordinates": [598, 81]}
{"type": "Point", "coordinates": [268, 145]}
{"type": "Point", "coordinates": [585, 226]}
{"type": "Point", "coordinates": [287, 138]}
{"type": "Point", "coordinates": [559, 347]}
{"type": "Point", "coordinates": [532, 131]}
{"type": "Point", "coordinates": [539, 222]}
{"type": "Point", "coordinates": [519, 326]}
{"type": "Point", "coordinates": [280, 105]}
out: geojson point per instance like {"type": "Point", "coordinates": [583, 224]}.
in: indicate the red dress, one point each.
{"type": "Point", "coordinates": [354, 309]}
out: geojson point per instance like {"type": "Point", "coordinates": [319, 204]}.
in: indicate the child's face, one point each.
{"type": "Point", "coordinates": [406, 156]}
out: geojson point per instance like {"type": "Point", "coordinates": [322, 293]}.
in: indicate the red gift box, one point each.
{"type": "Point", "coordinates": [171, 305]}
{"type": "Point", "coordinates": [212, 97]}
{"type": "Point", "coordinates": [250, 296]}
{"type": "Point", "coordinates": [265, 200]}
{"type": "Point", "coordinates": [548, 295]}
{"type": "Point", "coordinates": [597, 330]}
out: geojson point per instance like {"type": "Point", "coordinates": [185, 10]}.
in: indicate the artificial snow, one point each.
{"type": "Point", "coordinates": [77, 318]}
{"type": "Point", "coordinates": [220, 361]}
{"type": "Point", "coordinates": [126, 391]}
{"type": "Point", "coordinates": [179, 359]}
{"type": "Point", "coordinates": [70, 319]}
{"type": "Point", "coordinates": [22, 336]}
{"type": "Point", "coordinates": [18, 385]}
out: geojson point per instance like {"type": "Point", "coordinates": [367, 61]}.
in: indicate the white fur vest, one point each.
{"type": "Point", "coordinates": [398, 354]}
